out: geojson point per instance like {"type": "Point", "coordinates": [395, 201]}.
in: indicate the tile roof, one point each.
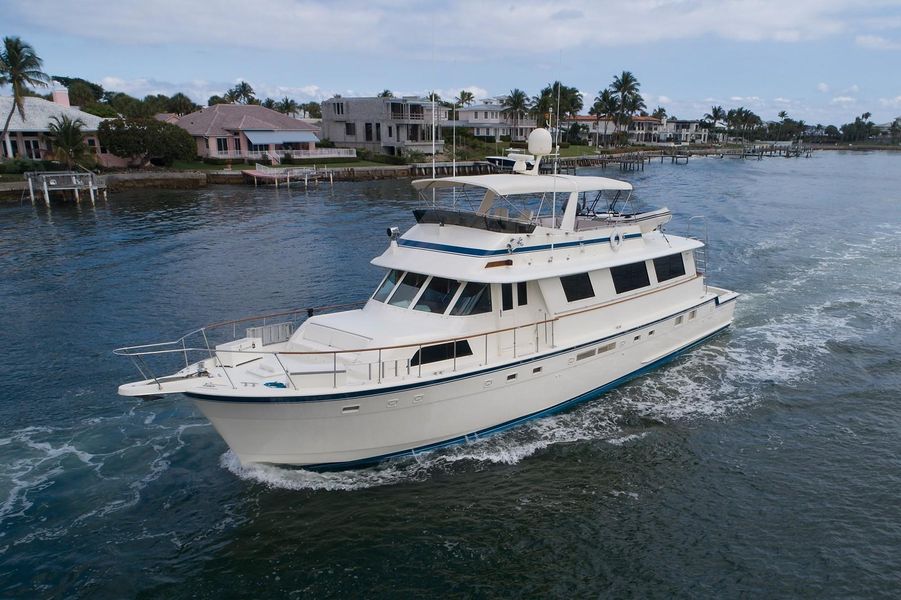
{"type": "Point", "coordinates": [40, 112]}
{"type": "Point", "coordinates": [222, 120]}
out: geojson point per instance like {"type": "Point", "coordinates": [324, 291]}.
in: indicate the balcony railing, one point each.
{"type": "Point", "coordinates": [264, 154]}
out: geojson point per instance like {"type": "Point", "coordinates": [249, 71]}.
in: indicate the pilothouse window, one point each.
{"type": "Point", "coordinates": [577, 287]}
{"type": "Point", "coordinates": [630, 277]}
{"type": "Point", "coordinates": [407, 289]}
{"type": "Point", "coordinates": [437, 295]}
{"type": "Point", "coordinates": [669, 267]}
{"type": "Point", "coordinates": [388, 284]}
{"type": "Point", "coordinates": [474, 300]}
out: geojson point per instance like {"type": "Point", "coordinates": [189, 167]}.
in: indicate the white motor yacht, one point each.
{"type": "Point", "coordinates": [514, 296]}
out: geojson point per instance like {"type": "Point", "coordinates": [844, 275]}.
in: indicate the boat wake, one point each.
{"type": "Point", "coordinates": [730, 374]}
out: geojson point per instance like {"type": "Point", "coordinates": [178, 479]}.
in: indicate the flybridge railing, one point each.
{"type": "Point", "coordinates": [332, 368]}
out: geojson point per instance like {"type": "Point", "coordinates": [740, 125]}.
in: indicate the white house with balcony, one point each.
{"type": "Point", "coordinates": [250, 131]}
{"type": "Point", "coordinates": [393, 126]}
{"type": "Point", "coordinates": [488, 120]}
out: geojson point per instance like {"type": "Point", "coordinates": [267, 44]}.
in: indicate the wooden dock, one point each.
{"type": "Point", "coordinates": [67, 183]}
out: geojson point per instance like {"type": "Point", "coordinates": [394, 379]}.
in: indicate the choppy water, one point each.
{"type": "Point", "coordinates": [764, 464]}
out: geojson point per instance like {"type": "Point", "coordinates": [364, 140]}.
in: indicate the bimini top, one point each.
{"type": "Point", "coordinates": [506, 185]}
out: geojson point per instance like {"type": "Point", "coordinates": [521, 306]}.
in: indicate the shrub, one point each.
{"type": "Point", "coordinates": [17, 166]}
{"type": "Point", "coordinates": [146, 140]}
{"type": "Point", "coordinates": [325, 143]}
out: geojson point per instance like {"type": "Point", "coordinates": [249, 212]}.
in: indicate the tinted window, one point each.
{"type": "Point", "coordinates": [507, 296]}
{"type": "Point", "coordinates": [475, 299]}
{"type": "Point", "coordinates": [577, 287]}
{"type": "Point", "coordinates": [387, 285]}
{"type": "Point", "coordinates": [439, 352]}
{"type": "Point", "coordinates": [669, 267]}
{"type": "Point", "coordinates": [437, 295]}
{"type": "Point", "coordinates": [407, 289]}
{"type": "Point", "coordinates": [522, 296]}
{"type": "Point", "coordinates": [630, 277]}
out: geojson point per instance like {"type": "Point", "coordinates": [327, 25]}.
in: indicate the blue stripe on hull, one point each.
{"type": "Point", "coordinates": [507, 425]}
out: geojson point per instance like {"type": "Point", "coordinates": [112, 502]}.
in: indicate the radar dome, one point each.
{"type": "Point", "coordinates": [540, 142]}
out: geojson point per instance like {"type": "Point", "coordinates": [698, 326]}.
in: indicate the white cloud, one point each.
{"type": "Point", "coordinates": [463, 30]}
{"type": "Point", "coordinates": [664, 99]}
{"type": "Point", "coordinates": [891, 102]}
{"type": "Point", "coordinates": [853, 89]}
{"type": "Point", "coordinates": [844, 100]}
{"type": "Point", "coordinates": [877, 42]}
{"type": "Point", "coordinates": [823, 87]}
{"type": "Point", "coordinates": [782, 100]}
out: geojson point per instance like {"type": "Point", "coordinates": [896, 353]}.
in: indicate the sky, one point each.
{"type": "Point", "coordinates": [823, 61]}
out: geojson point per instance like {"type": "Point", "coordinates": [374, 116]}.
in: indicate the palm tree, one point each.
{"type": "Point", "coordinates": [287, 106]}
{"type": "Point", "coordinates": [19, 67]}
{"type": "Point", "coordinates": [659, 113]}
{"type": "Point", "coordinates": [782, 115]}
{"type": "Point", "coordinates": [605, 104]}
{"type": "Point", "coordinates": [465, 98]}
{"type": "Point", "coordinates": [386, 93]}
{"type": "Point", "coordinates": [231, 96]}
{"type": "Point", "coordinates": [516, 105]}
{"type": "Point", "coordinates": [624, 86]}
{"type": "Point", "coordinates": [243, 92]}
{"type": "Point", "coordinates": [270, 104]}
{"type": "Point", "coordinates": [181, 104]}
{"type": "Point", "coordinates": [68, 139]}
{"type": "Point", "coordinates": [715, 115]}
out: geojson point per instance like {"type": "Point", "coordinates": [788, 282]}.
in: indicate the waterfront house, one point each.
{"type": "Point", "coordinates": [30, 138]}
{"type": "Point", "coordinates": [252, 131]}
{"type": "Point", "coordinates": [393, 126]}
{"type": "Point", "coordinates": [683, 131]}
{"type": "Point", "coordinates": [487, 120]}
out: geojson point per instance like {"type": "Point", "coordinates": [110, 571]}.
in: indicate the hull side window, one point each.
{"type": "Point", "coordinates": [439, 352]}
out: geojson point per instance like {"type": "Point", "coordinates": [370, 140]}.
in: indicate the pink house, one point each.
{"type": "Point", "coordinates": [249, 131]}
{"type": "Point", "coordinates": [29, 137]}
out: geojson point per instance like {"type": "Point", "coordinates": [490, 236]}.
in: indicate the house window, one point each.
{"type": "Point", "coordinates": [222, 145]}
{"type": "Point", "coordinates": [350, 129]}
{"type": "Point", "coordinates": [339, 108]}
{"type": "Point", "coordinates": [630, 277]}
{"type": "Point", "coordinates": [522, 296]}
{"type": "Point", "coordinates": [474, 300]}
{"type": "Point", "coordinates": [390, 134]}
{"type": "Point", "coordinates": [368, 129]}
{"type": "Point", "coordinates": [577, 287]}
{"type": "Point", "coordinates": [236, 141]}
{"type": "Point", "coordinates": [439, 352]}
{"type": "Point", "coordinates": [259, 148]}
{"type": "Point", "coordinates": [669, 267]}
{"type": "Point", "coordinates": [92, 145]}
{"type": "Point", "coordinates": [32, 149]}
{"type": "Point", "coordinates": [437, 295]}
{"type": "Point", "coordinates": [378, 132]}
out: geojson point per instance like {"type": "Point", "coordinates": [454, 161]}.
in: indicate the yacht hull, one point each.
{"type": "Point", "coordinates": [346, 430]}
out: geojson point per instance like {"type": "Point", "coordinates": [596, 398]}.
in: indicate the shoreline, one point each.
{"type": "Point", "coordinates": [16, 191]}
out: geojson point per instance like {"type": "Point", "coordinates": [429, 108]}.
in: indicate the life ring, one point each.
{"type": "Point", "coordinates": [616, 240]}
